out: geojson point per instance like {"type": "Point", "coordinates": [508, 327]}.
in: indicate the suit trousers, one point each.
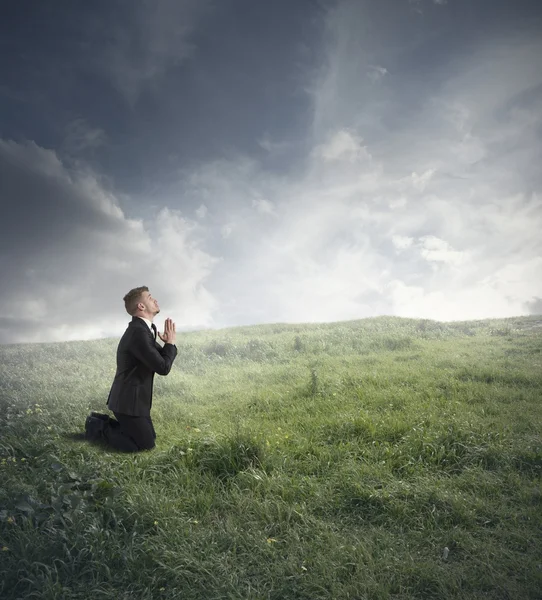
{"type": "Point", "coordinates": [132, 434]}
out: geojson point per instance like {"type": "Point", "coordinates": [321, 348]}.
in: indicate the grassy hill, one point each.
{"type": "Point", "coordinates": [372, 459]}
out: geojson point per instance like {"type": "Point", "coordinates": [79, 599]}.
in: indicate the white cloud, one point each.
{"type": "Point", "coordinates": [227, 230]}
{"type": "Point", "coordinates": [517, 280]}
{"type": "Point", "coordinates": [202, 211]}
{"type": "Point", "coordinates": [421, 181]}
{"type": "Point", "coordinates": [81, 254]}
{"type": "Point", "coordinates": [434, 249]}
{"type": "Point", "coordinates": [417, 199]}
{"type": "Point", "coordinates": [436, 218]}
{"type": "Point", "coordinates": [376, 73]}
{"type": "Point", "coordinates": [402, 242]}
{"type": "Point", "coordinates": [182, 267]}
{"type": "Point", "coordinates": [399, 202]}
{"type": "Point", "coordinates": [324, 257]}
{"type": "Point", "coordinates": [263, 206]}
{"type": "Point", "coordinates": [479, 301]}
{"type": "Point", "coordinates": [342, 146]}
{"type": "Point", "coordinates": [274, 147]}
{"type": "Point", "coordinates": [416, 6]}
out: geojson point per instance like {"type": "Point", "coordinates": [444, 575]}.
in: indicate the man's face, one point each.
{"type": "Point", "coordinates": [151, 305]}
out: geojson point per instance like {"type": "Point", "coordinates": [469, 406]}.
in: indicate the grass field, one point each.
{"type": "Point", "coordinates": [372, 459]}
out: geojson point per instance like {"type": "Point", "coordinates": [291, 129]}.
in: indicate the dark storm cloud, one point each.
{"type": "Point", "coordinates": [256, 162]}
{"type": "Point", "coordinates": [168, 83]}
{"type": "Point", "coordinates": [69, 248]}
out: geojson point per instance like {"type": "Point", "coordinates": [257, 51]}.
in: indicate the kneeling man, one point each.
{"type": "Point", "coordinates": [139, 357]}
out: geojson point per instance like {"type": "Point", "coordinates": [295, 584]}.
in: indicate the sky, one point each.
{"type": "Point", "coordinates": [262, 162]}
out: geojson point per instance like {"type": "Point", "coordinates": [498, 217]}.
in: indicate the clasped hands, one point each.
{"type": "Point", "coordinates": [169, 335]}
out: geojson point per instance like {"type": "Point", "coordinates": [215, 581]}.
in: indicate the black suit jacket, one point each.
{"type": "Point", "coordinates": [139, 357]}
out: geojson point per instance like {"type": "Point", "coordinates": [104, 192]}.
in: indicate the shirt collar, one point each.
{"type": "Point", "coordinates": [149, 323]}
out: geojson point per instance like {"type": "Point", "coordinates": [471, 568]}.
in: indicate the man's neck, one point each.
{"type": "Point", "coordinates": [146, 317]}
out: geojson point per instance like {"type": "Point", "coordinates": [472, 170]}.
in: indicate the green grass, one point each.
{"type": "Point", "coordinates": [322, 461]}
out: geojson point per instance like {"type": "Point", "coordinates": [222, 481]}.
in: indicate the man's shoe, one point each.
{"type": "Point", "coordinates": [94, 428]}
{"type": "Point", "coordinates": [99, 416]}
{"type": "Point", "coordinates": [106, 418]}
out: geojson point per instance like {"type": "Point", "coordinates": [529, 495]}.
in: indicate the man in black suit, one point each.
{"type": "Point", "coordinates": [139, 357]}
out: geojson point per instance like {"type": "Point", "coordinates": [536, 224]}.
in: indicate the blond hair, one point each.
{"type": "Point", "coordinates": [132, 299]}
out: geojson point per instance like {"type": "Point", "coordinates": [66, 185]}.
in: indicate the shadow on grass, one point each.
{"type": "Point", "coordinates": [101, 444]}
